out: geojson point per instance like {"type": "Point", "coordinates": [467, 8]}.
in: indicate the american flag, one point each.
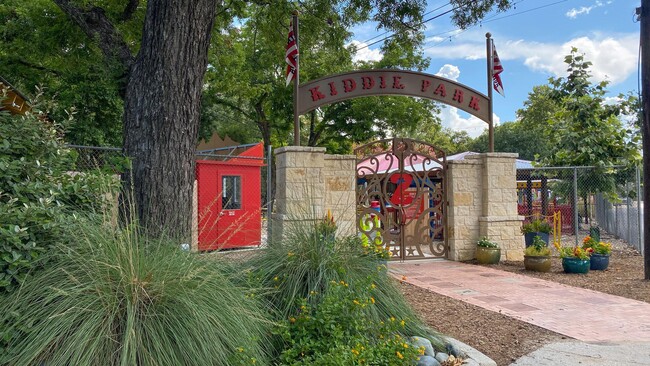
{"type": "Point", "coordinates": [291, 55]}
{"type": "Point", "coordinates": [496, 70]}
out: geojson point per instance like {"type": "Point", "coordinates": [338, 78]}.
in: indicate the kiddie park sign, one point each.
{"type": "Point", "coordinates": [336, 88]}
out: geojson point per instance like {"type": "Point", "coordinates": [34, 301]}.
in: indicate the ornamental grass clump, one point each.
{"type": "Point", "coordinates": [115, 297]}
{"type": "Point", "coordinates": [301, 269]}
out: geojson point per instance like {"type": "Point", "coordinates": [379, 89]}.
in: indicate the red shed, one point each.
{"type": "Point", "coordinates": [229, 198]}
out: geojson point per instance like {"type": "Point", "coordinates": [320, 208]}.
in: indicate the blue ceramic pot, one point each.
{"type": "Point", "coordinates": [575, 265]}
{"type": "Point", "coordinates": [599, 262]}
{"type": "Point", "coordinates": [528, 238]}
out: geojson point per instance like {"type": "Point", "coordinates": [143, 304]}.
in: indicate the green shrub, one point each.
{"type": "Point", "coordinates": [538, 248]}
{"type": "Point", "coordinates": [304, 266]}
{"type": "Point", "coordinates": [114, 297]}
{"type": "Point", "coordinates": [37, 193]}
{"type": "Point", "coordinates": [536, 226]}
{"type": "Point", "coordinates": [486, 243]}
{"type": "Point", "coordinates": [336, 331]}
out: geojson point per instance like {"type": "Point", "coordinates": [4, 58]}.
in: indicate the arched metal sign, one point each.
{"type": "Point", "coordinates": [355, 84]}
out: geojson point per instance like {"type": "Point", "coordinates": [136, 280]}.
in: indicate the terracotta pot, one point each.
{"type": "Point", "coordinates": [488, 255]}
{"type": "Point", "coordinates": [537, 263]}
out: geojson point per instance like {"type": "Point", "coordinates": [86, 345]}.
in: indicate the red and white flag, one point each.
{"type": "Point", "coordinates": [496, 70]}
{"type": "Point", "coordinates": [291, 55]}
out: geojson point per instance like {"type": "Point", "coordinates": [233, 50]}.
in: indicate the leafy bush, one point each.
{"type": "Point", "coordinates": [36, 190]}
{"type": "Point", "coordinates": [486, 243]}
{"type": "Point", "coordinates": [539, 248]}
{"type": "Point", "coordinates": [336, 331]}
{"type": "Point", "coordinates": [114, 297]}
{"type": "Point", "coordinates": [304, 266]}
{"type": "Point", "coordinates": [536, 226]}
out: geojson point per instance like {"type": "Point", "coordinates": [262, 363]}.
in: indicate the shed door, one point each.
{"type": "Point", "coordinates": [229, 206]}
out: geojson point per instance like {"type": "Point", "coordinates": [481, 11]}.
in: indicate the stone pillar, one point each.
{"type": "Point", "coordinates": [340, 192]}
{"type": "Point", "coordinates": [500, 221]}
{"type": "Point", "coordinates": [300, 187]}
{"type": "Point", "coordinates": [464, 196]}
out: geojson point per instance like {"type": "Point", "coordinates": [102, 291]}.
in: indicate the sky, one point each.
{"type": "Point", "coordinates": [532, 40]}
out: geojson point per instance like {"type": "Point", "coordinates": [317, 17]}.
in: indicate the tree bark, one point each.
{"type": "Point", "coordinates": [162, 112]}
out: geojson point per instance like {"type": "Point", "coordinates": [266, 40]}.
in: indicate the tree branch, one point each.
{"type": "Point", "coordinates": [235, 107]}
{"type": "Point", "coordinates": [96, 25]}
{"type": "Point", "coordinates": [36, 67]}
{"type": "Point", "coordinates": [130, 9]}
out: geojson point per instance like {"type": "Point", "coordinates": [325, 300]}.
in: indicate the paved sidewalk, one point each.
{"type": "Point", "coordinates": [557, 307]}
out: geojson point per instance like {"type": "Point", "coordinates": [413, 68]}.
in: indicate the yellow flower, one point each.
{"type": "Point", "coordinates": [292, 319]}
{"type": "Point", "coordinates": [355, 352]}
{"type": "Point", "coordinates": [399, 355]}
{"type": "Point", "coordinates": [372, 286]}
{"type": "Point", "coordinates": [402, 323]}
{"type": "Point", "coordinates": [276, 278]}
{"type": "Point", "coordinates": [356, 302]}
{"type": "Point", "coordinates": [290, 254]}
{"type": "Point", "coordinates": [392, 318]}
{"type": "Point", "coordinates": [372, 300]}
{"type": "Point", "coordinates": [240, 349]}
{"type": "Point", "coordinates": [421, 350]}
{"type": "Point", "coordinates": [405, 345]}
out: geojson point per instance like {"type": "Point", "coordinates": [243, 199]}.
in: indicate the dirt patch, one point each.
{"type": "Point", "coordinates": [505, 339]}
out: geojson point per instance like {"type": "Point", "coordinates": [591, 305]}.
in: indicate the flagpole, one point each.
{"type": "Point", "coordinates": [490, 67]}
{"type": "Point", "coordinates": [296, 83]}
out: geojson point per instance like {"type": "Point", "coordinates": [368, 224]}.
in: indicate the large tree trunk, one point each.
{"type": "Point", "coordinates": [161, 112]}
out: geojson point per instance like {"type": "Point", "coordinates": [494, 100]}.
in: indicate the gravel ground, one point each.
{"type": "Point", "coordinates": [505, 339]}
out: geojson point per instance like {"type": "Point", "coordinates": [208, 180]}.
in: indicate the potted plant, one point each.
{"type": "Point", "coordinates": [535, 228]}
{"type": "Point", "coordinates": [487, 252]}
{"type": "Point", "coordinates": [537, 257]}
{"type": "Point", "coordinates": [574, 259]}
{"type": "Point", "coordinates": [599, 259]}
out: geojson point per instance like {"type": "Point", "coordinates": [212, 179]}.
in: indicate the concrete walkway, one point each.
{"type": "Point", "coordinates": [557, 307]}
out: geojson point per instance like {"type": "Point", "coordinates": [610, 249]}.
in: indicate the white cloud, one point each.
{"type": "Point", "coordinates": [450, 72]}
{"type": "Point", "coordinates": [573, 13]}
{"type": "Point", "coordinates": [364, 53]}
{"type": "Point", "coordinates": [455, 119]}
{"type": "Point", "coordinates": [613, 57]}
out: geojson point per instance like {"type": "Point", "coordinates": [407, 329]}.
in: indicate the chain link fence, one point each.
{"type": "Point", "coordinates": [581, 198]}
{"type": "Point", "coordinates": [233, 194]}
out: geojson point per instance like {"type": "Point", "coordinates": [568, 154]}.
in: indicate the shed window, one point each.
{"type": "Point", "coordinates": [231, 192]}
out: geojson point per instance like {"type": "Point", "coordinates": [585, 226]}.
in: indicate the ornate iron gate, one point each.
{"type": "Point", "coordinates": [400, 197]}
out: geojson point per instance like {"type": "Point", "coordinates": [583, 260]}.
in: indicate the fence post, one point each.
{"type": "Point", "coordinates": [638, 207]}
{"type": "Point", "coordinates": [269, 195]}
{"type": "Point", "coordinates": [627, 206]}
{"type": "Point", "coordinates": [576, 224]}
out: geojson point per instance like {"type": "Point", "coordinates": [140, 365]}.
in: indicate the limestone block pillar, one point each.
{"type": "Point", "coordinates": [300, 187]}
{"type": "Point", "coordinates": [464, 198]}
{"type": "Point", "coordinates": [500, 221]}
{"type": "Point", "coordinates": [340, 192]}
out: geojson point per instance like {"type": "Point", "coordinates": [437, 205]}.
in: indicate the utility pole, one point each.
{"type": "Point", "coordinates": [644, 18]}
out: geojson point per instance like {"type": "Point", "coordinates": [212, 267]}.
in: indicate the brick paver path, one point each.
{"type": "Point", "coordinates": [575, 312]}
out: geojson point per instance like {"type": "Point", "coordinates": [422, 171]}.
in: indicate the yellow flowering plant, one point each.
{"type": "Point", "coordinates": [597, 246]}
{"type": "Point", "coordinates": [573, 252]}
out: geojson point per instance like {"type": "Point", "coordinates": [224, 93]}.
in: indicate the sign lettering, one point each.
{"type": "Point", "coordinates": [391, 82]}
